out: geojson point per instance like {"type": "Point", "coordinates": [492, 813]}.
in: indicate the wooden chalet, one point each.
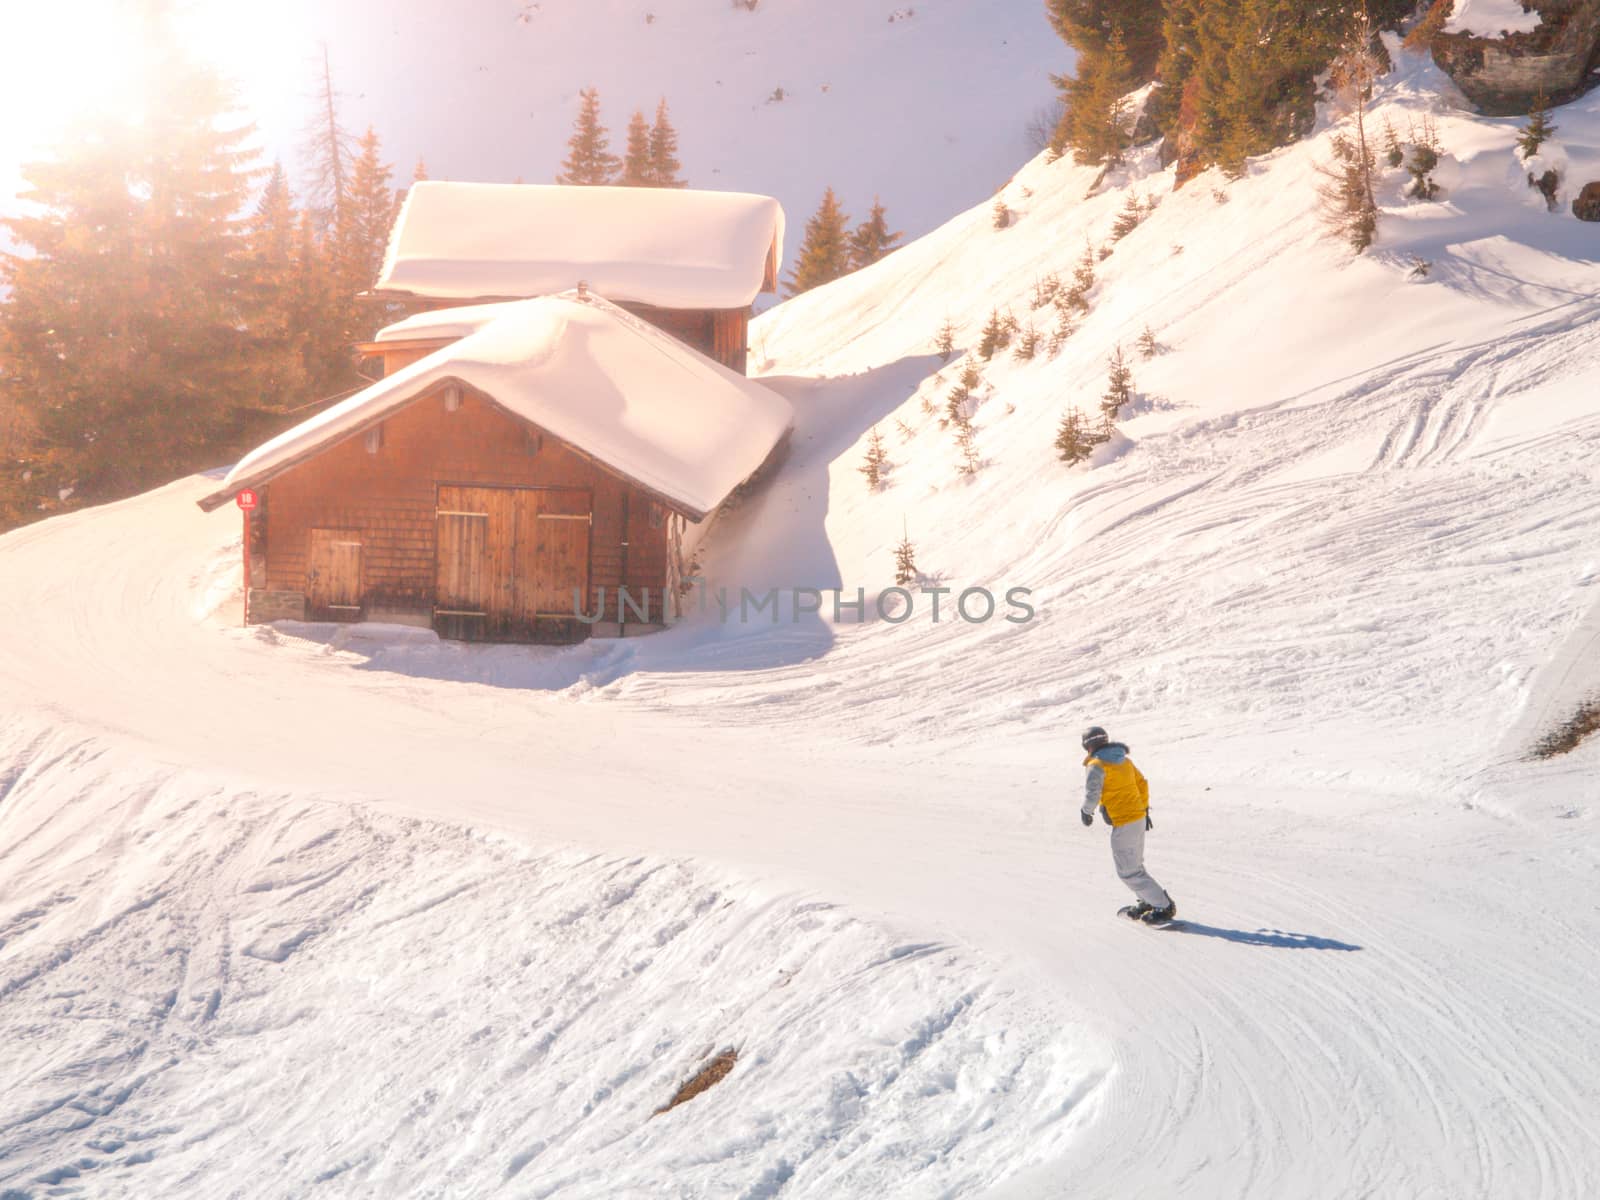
{"type": "Point", "coordinates": [537, 462]}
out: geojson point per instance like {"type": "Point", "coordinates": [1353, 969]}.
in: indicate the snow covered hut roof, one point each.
{"type": "Point", "coordinates": [631, 397]}
{"type": "Point", "coordinates": [667, 247]}
{"type": "Point", "coordinates": [440, 323]}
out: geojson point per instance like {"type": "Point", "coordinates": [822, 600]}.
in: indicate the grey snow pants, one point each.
{"type": "Point", "coordinates": [1127, 851]}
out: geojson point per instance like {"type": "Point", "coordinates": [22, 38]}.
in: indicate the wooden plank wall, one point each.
{"type": "Point", "coordinates": [389, 498]}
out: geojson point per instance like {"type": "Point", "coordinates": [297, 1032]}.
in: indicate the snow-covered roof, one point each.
{"type": "Point", "coordinates": [667, 247]}
{"type": "Point", "coordinates": [633, 398]}
{"type": "Point", "coordinates": [445, 322]}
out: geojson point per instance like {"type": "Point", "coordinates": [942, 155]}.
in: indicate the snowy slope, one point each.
{"type": "Point", "coordinates": [1339, 575]}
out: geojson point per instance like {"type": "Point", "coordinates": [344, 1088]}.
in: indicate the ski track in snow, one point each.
{"type": "Point", "coordinates": [298, 911]}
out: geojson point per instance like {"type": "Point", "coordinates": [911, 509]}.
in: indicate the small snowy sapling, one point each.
{"type": "Point", "coordinates": [877, 460]}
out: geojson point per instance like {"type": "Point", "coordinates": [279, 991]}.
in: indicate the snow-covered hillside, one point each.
{"type": "Point", "coordinates": [347, 911]}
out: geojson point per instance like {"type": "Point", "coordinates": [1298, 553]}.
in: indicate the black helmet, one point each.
{"type": "Point", "coordinates": [1094, 737]}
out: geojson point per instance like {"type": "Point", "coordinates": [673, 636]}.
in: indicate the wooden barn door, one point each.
{"type": "Point", "coordinates": [508, 559]}
{"type": "Point", "coordinates": [553, 562]}
{"type": "Point", "coordinates": [333, 576]}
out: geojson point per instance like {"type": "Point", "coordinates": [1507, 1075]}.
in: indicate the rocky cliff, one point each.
{"type": "Point", "coordinates": [1506, 75]}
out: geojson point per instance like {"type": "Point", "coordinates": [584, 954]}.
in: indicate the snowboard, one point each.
{"type": "Point", "coordinates": [1126, 912]}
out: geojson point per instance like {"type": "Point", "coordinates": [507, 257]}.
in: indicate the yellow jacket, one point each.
{"type": "Point", "coordinates": [1116, 785]}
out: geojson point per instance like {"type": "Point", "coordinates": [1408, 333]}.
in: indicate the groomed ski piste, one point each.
{"type": "Point", "coordinates": [347, 911]}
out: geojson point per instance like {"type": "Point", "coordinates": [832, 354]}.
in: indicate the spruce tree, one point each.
{"type": "Point", "coordinates": [1119, 385]}
{"type": "Point", "coordinates": [876, 464]}
{"type": "Point", "coordinates": [1088, 25]}
{"type": "Point", "coordinates": [664, 164]}
{"type": "Point", "coordinates": [370, 219]}
{"type": "Point", "coordinates": [945, 343]}
{"type": "Point", "coordinates": [872, 239]}
{"type": "Point", "coordinates": [328, 151]}
{"type": "Point", "coordinates": [273, 313]}
{"type": "Point", "coordinates": [637, 170]}
{"type": "Point", "coordinates": [1538, 130]}
{"type": "Point", "coordinates": [1097, 122]}
{"type": "Point", "coordinates": [318, 311]}
{"type": "Point", "coordinates": [905, 560]}
{"type": "Point", "coordinates": [1149, 345]}
{"type": "Point", "coordinates": [825, 251]}
{"type": "Point", "coordinates": [1424, 161]}
{"type": "Point", "coordinates": [1129, 219]}
{"type": "Point", "coordinates": [589, 162]}
{"type": "Point", "coordinates": [131, 314]}
{"type": "Point", "coordinates": [994, 336]}
{"type": "Point", "coordinates": [1073, 440]}
{"type": "Point", "coordinates": [1349, 193]}
{"type": "Point", "coordinates": [967, 443]}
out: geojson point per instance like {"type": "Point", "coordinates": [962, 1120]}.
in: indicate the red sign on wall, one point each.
{"type": "Point", "coordinates": [246, 499]}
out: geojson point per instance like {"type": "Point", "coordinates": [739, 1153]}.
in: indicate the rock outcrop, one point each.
{"type": "Point", "coordinates": [1507, 75]}
{"type": "Point", "coordinates": [1587, 206]}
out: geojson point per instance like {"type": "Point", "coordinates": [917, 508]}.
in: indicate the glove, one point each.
{"type": "Point", "coordinates": [1088, 818]}
{"type": "Point", "coordinates": [1148, 823]}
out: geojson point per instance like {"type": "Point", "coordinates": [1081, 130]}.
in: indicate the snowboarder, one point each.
{"type": "Point", "coordinates": [1116, 788]}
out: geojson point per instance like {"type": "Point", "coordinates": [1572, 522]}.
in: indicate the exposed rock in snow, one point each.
{"type": "Point", "coordinates": [1504, 58]}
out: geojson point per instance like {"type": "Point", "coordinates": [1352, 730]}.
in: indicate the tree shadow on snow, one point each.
{"type": "Point", "coordinates": [1276, 938]}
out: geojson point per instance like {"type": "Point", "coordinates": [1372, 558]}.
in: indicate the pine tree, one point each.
{"type": "Point", "coordinates": [994, 336]}
{"type": "Point", "coordinates": [318, 312]}
{"type": "Point", "coordinates": [876, 464]}
{"type": "Point", "coordinates": [1076, 298]}
{"type": "Point", "coordinates": [905, 560]}
{"type": "Point", "coordinates": [1027, 343]}
{"type": "Point", "coordinates": [872, 239]}
{"type": "Point", "coordinates": [1348, 193]}
{"type": "Point", "coordinates": [967, 443]}
{"type": "Point", "coordinates": [1097, 121]}
{"type": "Point", "coordinates": [1129, 219]}
{"type": "Point", "coordinates": [945, 343]}
{"type": "Point", "coordinates": [1538, 130]}
{"type": "Point", "coordinates": [589, 162]}
{"type": "Point", "coordinates": [1239, 78]}
{"type": "Point", "coordinates": [1424, 161]}
{"type": "Point", "coordinates": [825, 252]}
{"type": "Point", "coordinates": [1149, 346]}
{"type": "Point", "coordinates": [1393, 152]}
{"type": "Point", "coordinates": [273, 312]}
{"type": "Point", "coordinates": [1001, 215]}
{"type": "Point", "coordinates": [328, 150]}
{"type": "Point", "coordinates": [1073, 440]}
{"type": "Point", "coordinates": [1087, 25]}
{"type": "Point", "coordinates": [637, 170]}
{"type": "Point", "coordinates": [131, 314]}
{"type": "Point", "coordinates": [369, 221]}
{"type": "Point", "coordinates": [664, 164]}
{"type": "Point", "coordinates": [1119, 385]}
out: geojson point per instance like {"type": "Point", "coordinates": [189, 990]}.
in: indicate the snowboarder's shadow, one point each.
{"type": "Point", "coordinates": [1263, 937]}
